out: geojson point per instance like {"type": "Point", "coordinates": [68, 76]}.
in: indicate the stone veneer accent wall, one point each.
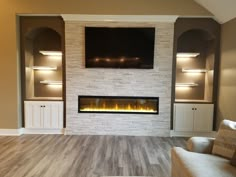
{"type": "Point", "coordinates": [118, 82]}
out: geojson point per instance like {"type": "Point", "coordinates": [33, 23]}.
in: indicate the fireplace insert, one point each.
{"type": "Point", "coordinates": [118, 104]}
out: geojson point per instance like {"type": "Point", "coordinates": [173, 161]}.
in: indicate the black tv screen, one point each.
{"type": "Point", "coordinates": [119, 47]}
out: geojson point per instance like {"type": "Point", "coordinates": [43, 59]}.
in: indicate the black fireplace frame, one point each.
{"type": "Point", "coordinates": [118, 97]}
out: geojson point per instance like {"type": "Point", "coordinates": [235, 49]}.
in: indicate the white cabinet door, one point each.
{"type": "Point", "coordinates": [33, 114]}
{"type": "Point", "coordinates": [203, 117]}
{"type": "Point", "coordinates": [43, 114]}
{"type": "Point", "coordinates": [183, 117]}
{"type": "Point", "coordinates": [193, 117]}
{"type": "Point", "coordinates": [47, 115]}
{"type": "Point", "coordinates": [56, 115]}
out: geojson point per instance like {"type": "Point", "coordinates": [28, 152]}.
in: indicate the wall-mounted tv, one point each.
{"type": "Point", "coordinates": [119, 47]}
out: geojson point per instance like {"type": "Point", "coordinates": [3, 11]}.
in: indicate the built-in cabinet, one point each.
{"type": "Point", "coordinates": [193, 117]}
{"type": "Point", "coordinates": [42, 72]}
{"type": "Point", "coordinates": [195, 75]}
{"type": "Point", "coordinates": [44, 114]}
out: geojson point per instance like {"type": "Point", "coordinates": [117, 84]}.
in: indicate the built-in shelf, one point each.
{"type": "Point", "coordinates": [194, 70]}
{"type": "Point", "coordinates": [44, 68]}
{"type": "Point", "coordinates": [46, 82]}
{"type": "Point", "coordinates": [187, 55]}
{"type": "Point", "coordinates": [51, 53]}
{"type": "Point", "coordinates": [186, 84]}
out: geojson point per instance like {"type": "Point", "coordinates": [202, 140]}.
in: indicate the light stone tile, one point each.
{"type": "Point", "coordinates": [118, 82]}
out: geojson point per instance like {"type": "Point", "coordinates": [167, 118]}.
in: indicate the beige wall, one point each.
{"type": "Point", "coordinates": [9, 100]}
{"type": "Point", "coordinates": [227, 89]}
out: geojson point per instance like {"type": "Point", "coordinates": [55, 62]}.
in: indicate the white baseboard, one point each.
{"type": "Point", "coordinates": [43, 131]}
{"type": "Point", "coordinates": [21, 131]}
{"type": "Point", "coordinates": [10, 132]}
{"type": "Point", "coordinates": [191, 134]}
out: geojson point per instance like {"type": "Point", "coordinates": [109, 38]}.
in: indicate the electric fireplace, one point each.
{"type": "Point", "coordinates": [118, 104]}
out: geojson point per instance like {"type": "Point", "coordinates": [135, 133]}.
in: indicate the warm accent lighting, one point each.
{"type": "Point", "coordinates": [54, 57]}
{"type": "Point", "coordinates": [118, 104]}
{"type": "Point", "coordinates": [116, 108]}
{"type": "Point", "coordinates": [194, 70]}
{"type": "Point", "coordinates": [56, 87]}
{"type": "Point", "coordinates": [186, 84]}
{"type": "Point", "coordinates": [182, 89]}
{"type": "Point", "coordinates": [46, 68]}
{"type": "Point", "coordinates": [187, 55]}
{"type": "Point", "coordinates": [46, 82]}
{"type": "Point", "coordinates": [51, 53]}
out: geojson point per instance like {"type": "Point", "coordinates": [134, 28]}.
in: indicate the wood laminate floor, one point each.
{"type": "Point", "coordinates": [85, 156]}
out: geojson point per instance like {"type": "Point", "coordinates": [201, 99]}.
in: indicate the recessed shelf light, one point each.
{"type": "Point", "coordinates": [46, 82]}
{"type": "Point", "coordinates": [187, 55]}
{"type": "Point", "coordinates": [186, 84]}
{"type": "Point", "coordinates": [51, 53]}
{"type": "Point", "coordinates": [194, 70]}
{"type": "Point", "coordinates": [44, 68]}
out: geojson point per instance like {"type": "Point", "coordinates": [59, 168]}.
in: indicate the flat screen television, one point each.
{"type": "Point", "coordinates": [119, 47]}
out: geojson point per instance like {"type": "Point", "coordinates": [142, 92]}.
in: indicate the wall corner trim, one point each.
{"type": "Point", "coordinates": [120, 18]}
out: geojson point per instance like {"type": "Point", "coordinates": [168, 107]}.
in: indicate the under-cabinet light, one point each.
{"type": "Point", "coordinates": [51, 82]}
{"type": "Point", "coordinates": [51, 53]}
{"type": "Point", "coordinates": [44, 68]}
{"type": "Point", "coordinates": [186, 84]}
{"type": "Point", "coordinates": [187, 55]}
{"type": "Point", "coordinates": [194, 70]}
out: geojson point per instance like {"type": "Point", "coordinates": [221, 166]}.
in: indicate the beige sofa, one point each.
{"type": "Point", "coordinates": [197, 160]}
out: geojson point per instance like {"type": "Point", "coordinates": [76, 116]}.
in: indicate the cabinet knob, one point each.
{"type": "Point", "coordinates": [192, 108]}
{"type": "Point", "coordinates": [195, 108]}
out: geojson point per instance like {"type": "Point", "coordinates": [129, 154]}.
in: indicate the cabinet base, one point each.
{"type": "Point", "coordinates": [43, 131]}
{"type": "Point", "coordinates": [190, 134]}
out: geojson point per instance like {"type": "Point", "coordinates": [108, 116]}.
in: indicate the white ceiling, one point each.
{"type": "Point", "coordinates": [223, 10]}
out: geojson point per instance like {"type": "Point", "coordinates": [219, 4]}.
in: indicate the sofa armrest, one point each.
{"type": "Point", "coordinates": [200, 144]}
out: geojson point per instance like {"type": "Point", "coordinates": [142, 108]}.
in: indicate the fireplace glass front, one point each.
{"type": "Point", "coordinates": [118, 104]}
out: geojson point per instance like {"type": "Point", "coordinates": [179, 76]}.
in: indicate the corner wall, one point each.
{"type": "Point", "coordinates": [118, 82]}
{"type": "Point", "coordinates": [227, 84]}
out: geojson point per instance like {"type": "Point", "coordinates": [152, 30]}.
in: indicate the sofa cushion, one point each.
{"type": "Point", "coordinates": [200, 144]}
{"type": "Point", "coordinates": [192, 164]}
{"type": "Point", "coordinates": [225, 142]}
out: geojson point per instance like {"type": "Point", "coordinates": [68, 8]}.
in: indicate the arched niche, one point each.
{"type": "Point", "coordinates": [40, 67]}
{"type": "Point", "coordinates": [202, 43]}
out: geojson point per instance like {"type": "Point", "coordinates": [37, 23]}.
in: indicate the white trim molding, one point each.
{"type": "Point", "coordinates": [43, 131]}
{"type": "Point", "coordinates": [191, 134]}
{"type": "Point", "coordinates": [11, 132]}
{"type": "Point", "coordinates": [120, 18]}
{"type": "Point", "coordinates": [35, 15]}
{"type": "Point", "coordinates": [21, 131]}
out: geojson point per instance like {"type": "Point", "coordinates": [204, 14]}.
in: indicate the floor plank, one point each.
{"type": "Point", "coordinates": [86, 156]}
